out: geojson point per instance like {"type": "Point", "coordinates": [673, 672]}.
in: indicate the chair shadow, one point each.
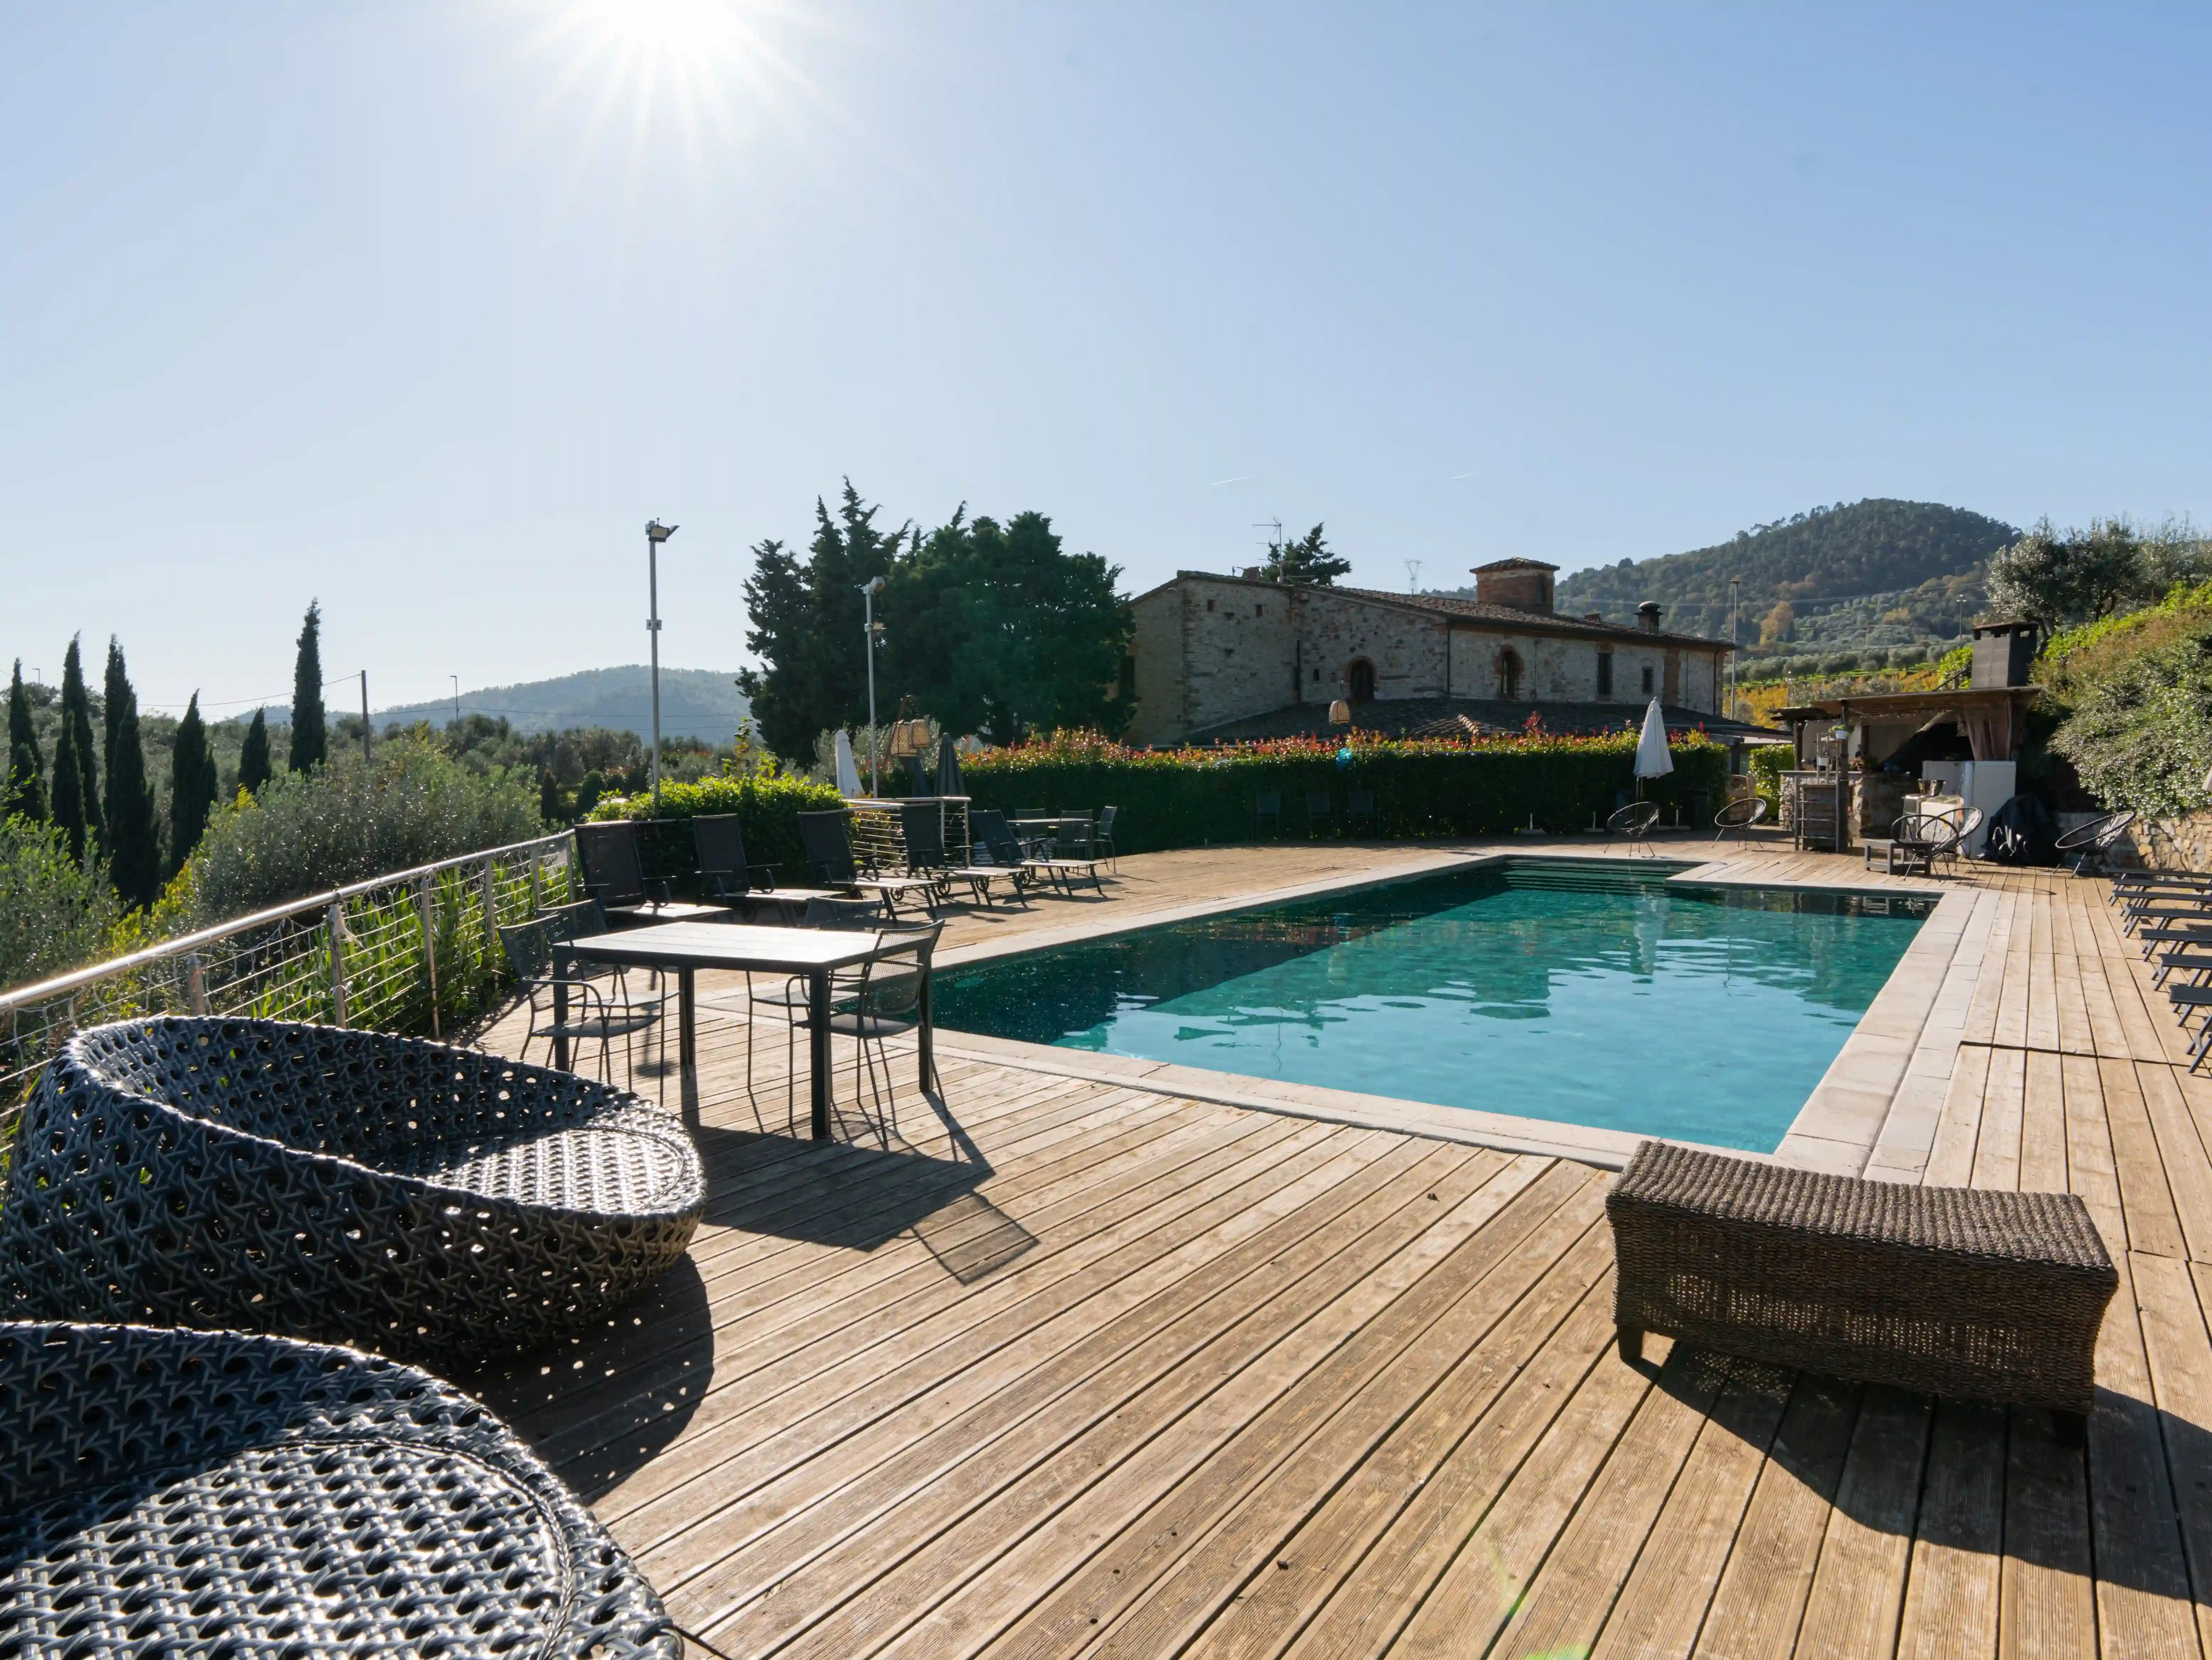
{"type": "Point", "coordinates": [1952, 1472]}
{"type": "Point", "coordinates": [647, 1365]}
{"type": "Point", "coordinates": [832, 1193]}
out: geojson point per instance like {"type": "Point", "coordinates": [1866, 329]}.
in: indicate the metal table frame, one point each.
{"type": "Point", "coordinates": [684, 948]}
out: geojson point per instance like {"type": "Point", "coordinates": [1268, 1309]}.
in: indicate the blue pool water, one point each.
{"type": "Point", "coordinates": [1590, 994]}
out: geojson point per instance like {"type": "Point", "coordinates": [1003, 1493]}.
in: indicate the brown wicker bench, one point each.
{"type": "Point", "coordinates": [1945, 1291]}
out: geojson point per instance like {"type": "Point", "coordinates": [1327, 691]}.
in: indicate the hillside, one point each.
{"type": "Point", "coordinates": [1875, 573]}
{"type": "Point", "coordinates": [699, 703]}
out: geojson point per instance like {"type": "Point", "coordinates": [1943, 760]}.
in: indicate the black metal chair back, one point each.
{"type": "Point", "coordinates": [717, 840]}
{"type": "Point", "coordinates": [1319, 804]}
{"type": "Point", "coordinates": [923, 822]}
{"type": "Point", "coordinates": [1359, 806]}
{"type": "Point", "coordinates": [1267, 807]}
{"type": "Point", "coordinates": [989, 824]}
{"type": "Point", "coordinates": [827, 842]}
{"type": "Point", "coordinates": [529, 950]}
{"type": "Point", "coordinates": [613, 873]}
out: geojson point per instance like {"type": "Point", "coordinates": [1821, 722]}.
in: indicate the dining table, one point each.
{"type": "Point", "coordinates": [683, 948]}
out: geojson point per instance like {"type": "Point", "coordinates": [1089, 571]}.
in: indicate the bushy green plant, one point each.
{"type": "Point", "coordinates": [1769, 761]}
{"type": "Point", "coordinates": [1187, 797]}
{"type": "Point", "coordinates": [2141, 735]}
{"type": "Point", "coordinates": [767, 803]}
{"type": "Point", "coordinates": [54, 915]}
{"type": "Point", "coordinates": [309, 831]}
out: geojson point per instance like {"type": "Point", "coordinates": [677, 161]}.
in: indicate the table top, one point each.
{"type": "Point", "coordinates": [1055, 818]}
{"type": "Point", "coordinates": [733, 945]}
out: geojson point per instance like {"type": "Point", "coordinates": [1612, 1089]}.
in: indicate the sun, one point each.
{"type": "Point", "coordinates": [672, 29]}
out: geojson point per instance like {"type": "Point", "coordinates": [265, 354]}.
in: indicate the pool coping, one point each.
{"type": "Point", "coordinates": [1874, 1113]}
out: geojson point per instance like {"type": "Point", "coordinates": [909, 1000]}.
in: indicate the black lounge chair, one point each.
{"type": "Point", "coordinates": [1321, 807]}
{"type": "Point", "coordinates": [992, 830]}
{"type": "Point", "coordinates": [828, 840]}
{"type": "Point", "coordinates": [1268, 810]}
{"type": "Point", "coordinates": [613, 873]}
{"type": "Point", "coordinates": [923, 825]}
{"type": "Point", "coordinates": [197, 1493]}
{"type": "Point", "coordinates": [1359, 808]}
{"type": "Point", "coordinates": [386, 1192]}
{"type": "Point", "coordinates": [727, 877]}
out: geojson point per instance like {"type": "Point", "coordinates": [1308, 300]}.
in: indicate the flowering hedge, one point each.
{"type": "Point", "coordinates": [1190, 798]}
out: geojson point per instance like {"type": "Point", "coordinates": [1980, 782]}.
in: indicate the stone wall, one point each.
{"type": "Point", "coordinates": [2167, 844]}
{"type": "Point", "coordinates": [1336, 630]}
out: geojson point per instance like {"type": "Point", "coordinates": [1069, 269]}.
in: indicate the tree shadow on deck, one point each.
{"type": "Point", "coordinates": [1970, 1476]}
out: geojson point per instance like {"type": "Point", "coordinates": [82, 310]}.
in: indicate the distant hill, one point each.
{"type": "Point", "coordinates": [1874, 573]}
{"type": "Point", "coordinates": [700, 703]}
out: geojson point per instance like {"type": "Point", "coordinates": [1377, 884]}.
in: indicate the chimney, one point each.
{"type": "Point", "coordinates": [2004, 652]}
{"type": "Point", "coordinates": [1253, 572]}
{"type": "Point", "coordinates": [1520, 584]}
{"type": "Point", "coordinates": [1648, 615]}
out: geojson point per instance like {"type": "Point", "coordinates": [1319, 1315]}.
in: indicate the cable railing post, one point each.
{"type": "Point", "coordinates": [196, 991]}
{"type": "Point", "coordinates": [491, 912]}
{"type": "Point", "coordinates": [429, 948]}
{"type": "Point", "coordinates": [334, 925]}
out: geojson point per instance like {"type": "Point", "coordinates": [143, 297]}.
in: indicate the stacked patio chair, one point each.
{"type": "Point", "coordinates": [827, 841]}
{"type": "Point", "coordinates": [576, 1009]}
{"type": "Point", "coordinates": [192, 1492]}
{"type": "Point", "coordinates": [613, 873]}
{"type": "Point", "coordinates": [727, 877]}
{"type": "Point", "coordinates": [998, 839]}
{"type": "Point", "coordinates": [386, 1192]}
{"type": "Point", "coordinates": [926, 856]}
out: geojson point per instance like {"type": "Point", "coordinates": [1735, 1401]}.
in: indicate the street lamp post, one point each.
{"type": "Point", "coordinates": [1735, 643]}
{"type": "Point", "coordinates": [870, 629]}
{"type": "Point", "coordinates": [655, 534]}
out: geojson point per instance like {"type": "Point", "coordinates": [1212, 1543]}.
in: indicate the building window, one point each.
{"type": "Point", "coordinates": [1129, 675]}
{"type": "Point", "coordinates": [1647, 679]}
{"type": "Point", "coordinates": [1259, 610]}
{"type": "Point", "coordinates": [1509, 675]}
{"type": "Point", "coordinates": [1209, 605]}
{"type": "Point", "coordinates": [1605, 674]}
{"type": "Point", "coordinates": [1360, 680]}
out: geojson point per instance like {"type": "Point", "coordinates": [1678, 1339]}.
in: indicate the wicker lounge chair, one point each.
{"type": "Point", "coordinates": [1949, 1291]}
{"type": "Point", "coordinates": [190, 1493]}
{"type": "Point", "coordinates": [392, 1194]}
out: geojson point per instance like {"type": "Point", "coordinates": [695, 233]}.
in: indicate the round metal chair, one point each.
{"type": "Point", "coordinates": [173, 1492]}
{"type": "Point", "coordinates": [2088, 844]}
{"type": "Point", "coordinates": [1632, 824]}
{"type": "Point", "coordinates": [397, 1195]}
{"type": "Point", "coordinates": [1741, 814]}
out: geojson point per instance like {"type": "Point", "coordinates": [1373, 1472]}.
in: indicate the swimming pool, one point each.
{"type": "Point", "coordinates": [1578, 992]}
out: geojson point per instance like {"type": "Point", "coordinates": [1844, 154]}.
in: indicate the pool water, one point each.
{"type": "Point", "coordinates": [1581, 992]}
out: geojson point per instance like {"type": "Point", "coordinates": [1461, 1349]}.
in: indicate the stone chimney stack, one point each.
{"type": "Point", "coordinates": [1524, 585]}
{"type": "Point", "coordinates": [1648, 615]}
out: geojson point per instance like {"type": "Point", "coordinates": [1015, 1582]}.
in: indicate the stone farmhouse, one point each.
{"type": "Point", "coordinates": [1232, 658]}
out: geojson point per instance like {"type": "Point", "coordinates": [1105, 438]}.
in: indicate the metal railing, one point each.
{"type": "Point", "coordinates": [416, 951]}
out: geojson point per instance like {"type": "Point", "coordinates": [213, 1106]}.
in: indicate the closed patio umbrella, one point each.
{"type": "Point", "coordinates": [848, 773]}
{"type": "Point", "coordinates": [949, 782]}
{"type": "Point", "coordinates": [1652, 759]}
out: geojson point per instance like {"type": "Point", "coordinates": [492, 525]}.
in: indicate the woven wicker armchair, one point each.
{"type": "Point", "coordinates": [392, 1194]}
{"type": "Point", "coordinates": [175, 1493]}
{"type": "Point", "coordinates": [1947, 1291]}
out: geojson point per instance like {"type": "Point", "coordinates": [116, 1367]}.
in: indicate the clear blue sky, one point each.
{"type": "Point", "coordinates": [425, 309]}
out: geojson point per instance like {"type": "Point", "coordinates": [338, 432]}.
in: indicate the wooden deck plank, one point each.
{"type": "Point", "coordinates": [2181, 1156]}
{"type": "Point", "coordinates": [1951, 1161]}
{"type": "Point", "coordinates": [2144, 1197]}
{"type": "Point", "coordinates": [2043, 1124]}
{"type": "Point", "coordinates": [1951, 1600]}
{"type": "Point", "coordinates": [1851, 1612]}
{"type": "Point", "coordinates": [2046, 1603]}
{"type": "Point", "coordinates": [1996, 1147]}
{"type": "Point", "coordinates": [2172, 1298]}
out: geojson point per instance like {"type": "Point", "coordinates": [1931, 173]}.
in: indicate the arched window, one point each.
{"type": "Point", "coordinates": [1360, 680]}
{"type": "Point", "coordinates": [1509, 675]}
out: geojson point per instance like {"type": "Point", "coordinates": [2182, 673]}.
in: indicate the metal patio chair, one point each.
{"type": "Point", "coordinates": [2088, 844]}
{"type": "Point", "coordinates": [613, 873]}
{"type": "Point", "coordinates": [1321, 807]}
{"type": "Point", "coordinates": [879, 1002]}
{"type": "Point", "coordinates": [595, 1013]}
{"type": "Point", "coordinates": [1268, 810]}
{"type": "Point", "coordinates": [1632, 824]}
{"type": "Point", "coordinates": [991, 828]}
{"type": "Point", "coordinates": [827, 841]}
{"type": "Point", "coordinates": [1359, 808]}
{"type": "Point", "coordinates": [926, 856]}
{"type": "Point", "coordinates": [727, 877]}
{"type": "Point", "coordinates": [1744, 812]}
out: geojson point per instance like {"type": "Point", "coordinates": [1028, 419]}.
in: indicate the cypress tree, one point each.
{"type": "Point", "coordinates": [134, 838]}
{"type": "Point", "coordinates": [76, 781]}
{"type": "Point", "coordinates": [254, 769]}
{"type": "Point", "coordinates": [27, 794]}
{"type": "Point", "coordinates": [193, 786]}
{"type": "Point", "coordinates": [549, 796]}
{"type": "Point", "coordinates": [309, 740]}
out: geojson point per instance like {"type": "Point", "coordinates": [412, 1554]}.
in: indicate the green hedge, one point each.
{"type": "Point", "coordinates": [766, 805]}
{"type": "Point", "coordinates": [1187, 799]}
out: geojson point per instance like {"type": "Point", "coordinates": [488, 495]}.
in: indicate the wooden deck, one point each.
{"type": "Point", "coordinates": [1052, 1365]}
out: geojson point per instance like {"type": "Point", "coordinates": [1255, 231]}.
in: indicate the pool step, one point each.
{"type": "Point", "coordinates": [1587, 875]}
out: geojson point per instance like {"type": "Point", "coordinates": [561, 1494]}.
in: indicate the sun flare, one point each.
{"type": "Point", "coordinates": [676, 29]}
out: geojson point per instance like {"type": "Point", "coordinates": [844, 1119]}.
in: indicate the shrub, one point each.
{"type": "Point", "coordinates": [1769, 761]}
{"type": "Point", "coordinates": [54, 917]}
{"type": "Point", "coordinates": [2142, 736]}
{"type": "Point", "coordinates": [309, 832]}
{"type": "Point", "coordinates": [1186, 797]}
{"type": "Point", "coordinates": [767, 805]}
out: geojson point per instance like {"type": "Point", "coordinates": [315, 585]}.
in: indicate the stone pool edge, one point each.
{"type": "Point", "coordinates": [1873, 1113]}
